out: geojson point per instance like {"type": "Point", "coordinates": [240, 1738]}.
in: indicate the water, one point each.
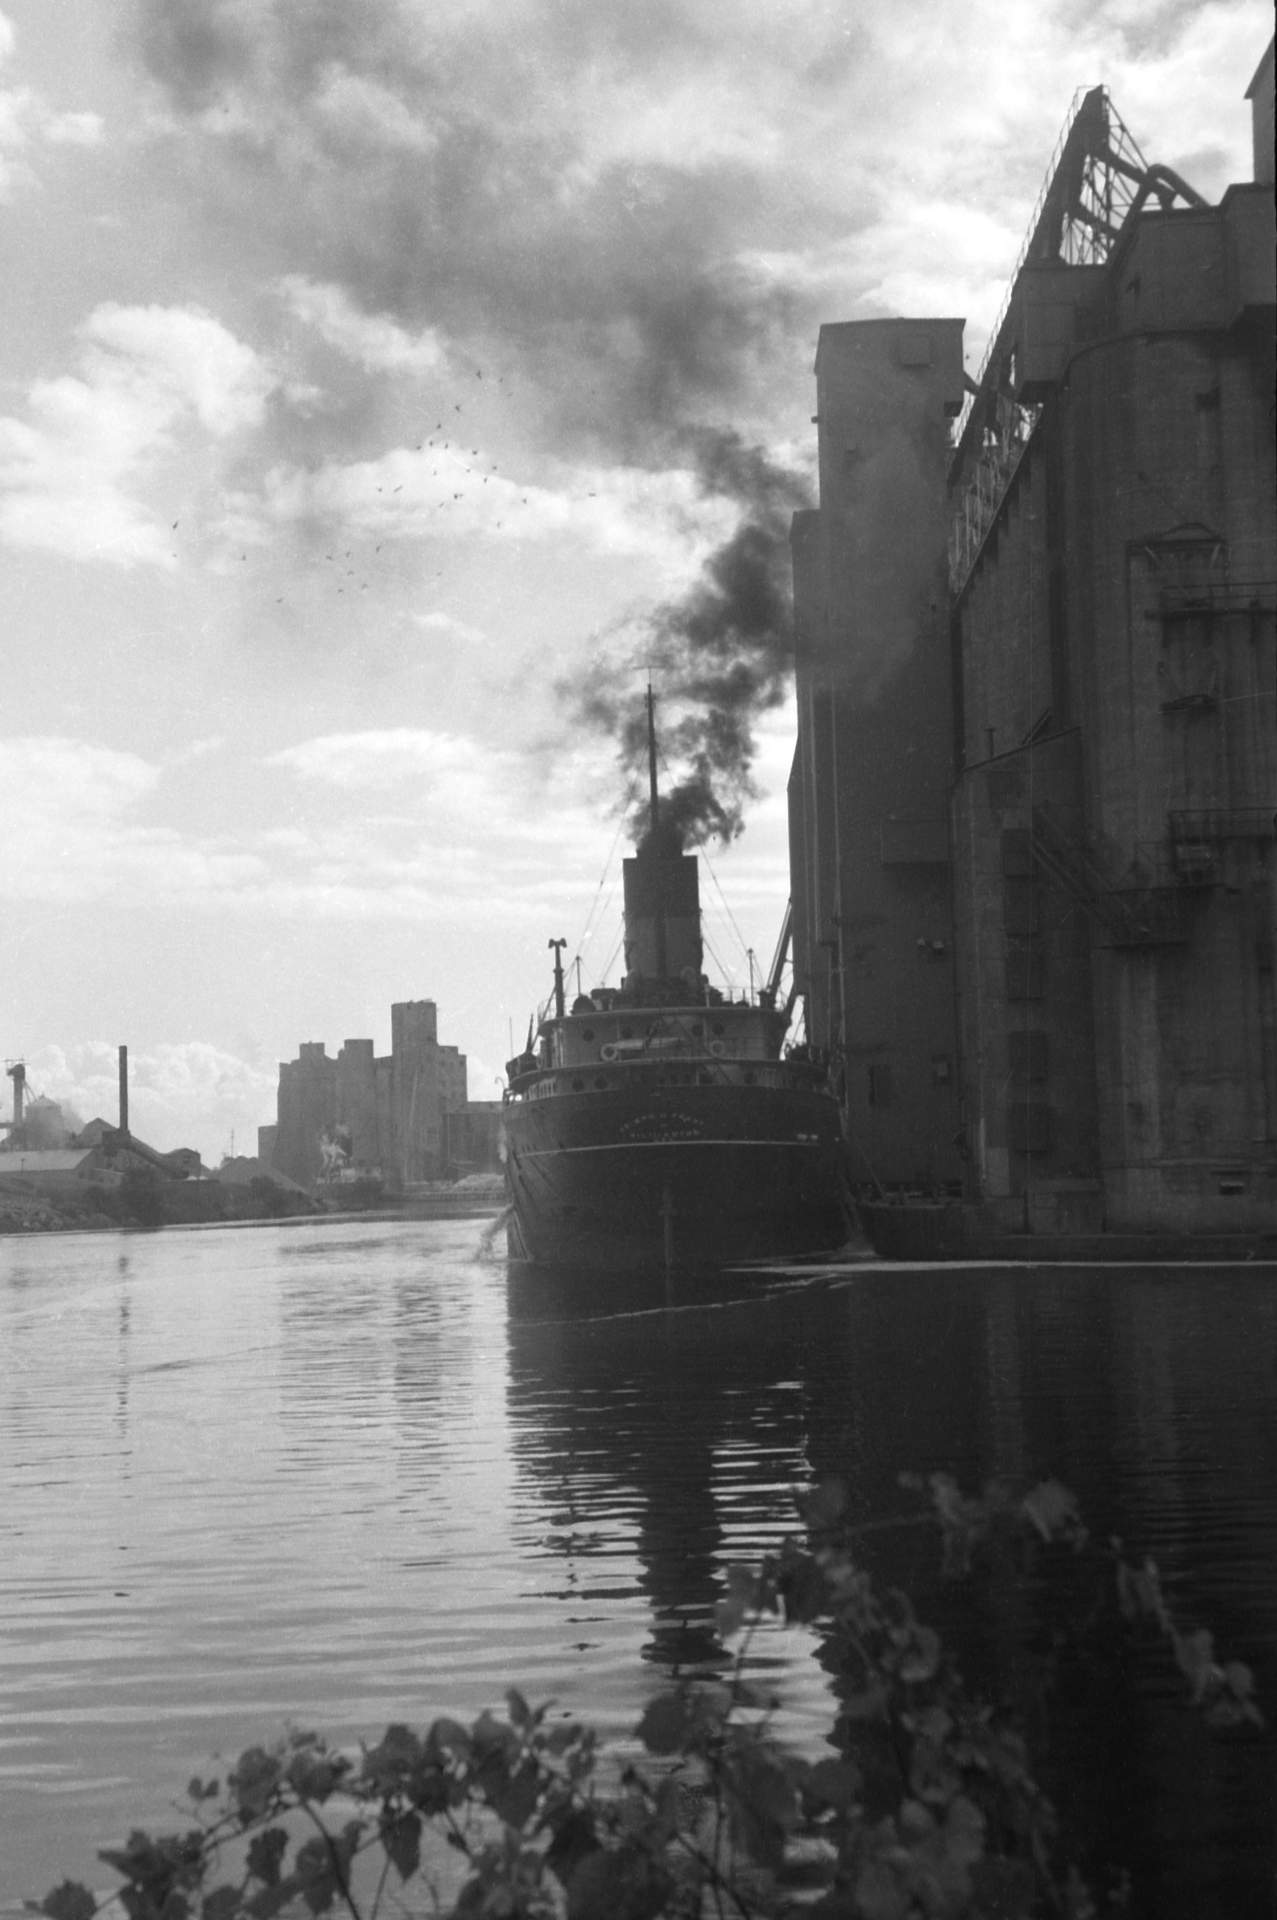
{"type": "Point", "coordinates": [334, 1474]}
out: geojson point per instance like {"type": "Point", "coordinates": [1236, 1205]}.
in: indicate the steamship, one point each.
{"type": "Point", "coordinates": [658, 1125]}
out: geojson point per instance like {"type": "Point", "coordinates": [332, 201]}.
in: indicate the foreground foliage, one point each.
{"type": "Point", "coordinates": [926, 1805]}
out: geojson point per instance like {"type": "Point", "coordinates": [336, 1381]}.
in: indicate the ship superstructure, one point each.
{"type": "Point", "coordinates": [661, 1123]}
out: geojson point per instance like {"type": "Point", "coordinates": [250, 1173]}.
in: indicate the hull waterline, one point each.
{"type": "Point", "coordinates": [688, 1178]}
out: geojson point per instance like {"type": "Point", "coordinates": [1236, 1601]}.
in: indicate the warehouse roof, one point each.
{"type": "Point", "coordinates": [21, 1164]}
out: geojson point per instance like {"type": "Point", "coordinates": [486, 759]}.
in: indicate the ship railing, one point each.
{"type": "Point", "coordinates": [590, 1076]}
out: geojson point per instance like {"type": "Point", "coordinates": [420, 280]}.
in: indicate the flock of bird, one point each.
{"type": "Point", "coordinates": [337, 557]}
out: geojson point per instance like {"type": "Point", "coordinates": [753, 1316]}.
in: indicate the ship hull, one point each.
{"type": "Point", "coordinates": [690, 1177]}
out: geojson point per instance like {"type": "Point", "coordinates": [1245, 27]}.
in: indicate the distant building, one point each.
{"type": "Point", "coordinates": [402, 1116]}
{"type": "Point", "coordinates": [59, 1169]}
{"type": "Point", "coordinates": [98, 1155]}
{"type": "Point", "coordinates": [1033, 802]}
{"type": "Point", "coordinates": [44, 1146]}
{"type": "Point", "coordinates": [475, 1133]}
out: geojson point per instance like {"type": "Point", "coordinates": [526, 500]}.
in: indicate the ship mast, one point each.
{"type": "Point", "coordinates": [653, 841]}
{"type": "Point", "coordinates": [651, 755]}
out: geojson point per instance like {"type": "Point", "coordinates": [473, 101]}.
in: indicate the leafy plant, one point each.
{"type": "Point", "coordinates": [926, 1808]}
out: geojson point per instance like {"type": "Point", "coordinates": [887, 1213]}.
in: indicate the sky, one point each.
{"type": "Point", "coordinates": [386, 388]}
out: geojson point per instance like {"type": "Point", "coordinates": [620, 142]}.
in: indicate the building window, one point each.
{"type": "Point", "coordinates": [1024, 972]}
{"type": "Point", "coordinates": [1016, 848]}
{"type": "Point", "coordinates": [1020, 905]}
{"type": "Point", "coordinates": [880, 1088]}
{"type": "Point", "coordinates": [1027, 1054]}
{"type": "Point", "coordinates": [1030, 1126]}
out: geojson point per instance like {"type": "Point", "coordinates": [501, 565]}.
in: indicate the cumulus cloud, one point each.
{"type": "Point", "coordinates": [27, 122]}
{"type": "Point", "coordinates": [452, 491]}
{"type": "Point", "coordinates": [71, 829]}
{"type": "Point", "coordinates": [450, 628]}
{"type": "Point", "coordinates": [630, 220]}
{"type": "Point", "coordinates": [596, 193]}
{"type": "Point", "coordinates": [457, 800]}
{"type": "Point", "coordinates": [402, 823]}
{"type": "Point", "coordinates": [72, 471]}
{"type": "Point", "coordinates": [189, 1093]}
{"type": "Point", "coordinates": [383, 759]}
{"type": "Point", "coordinates": [373, 340]}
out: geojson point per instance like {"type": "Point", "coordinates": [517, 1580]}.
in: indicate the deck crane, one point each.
{"type": "Point", "coordinates": [771, 991]}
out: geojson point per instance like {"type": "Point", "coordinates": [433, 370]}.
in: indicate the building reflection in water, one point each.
{"type": "Point", "coordinates": [1150, 1394]}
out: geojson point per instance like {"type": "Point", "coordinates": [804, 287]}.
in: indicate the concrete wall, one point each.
{"type": "Point", "coordinates": [1260, 95]}
{"type": "Point", "coordinates": [812, 864]}
{"type": "Point", "coordinates": [306, 1107]}
{"type": "Point", "coordinates": [417, 1090]}
{"type": "Point", "coordinates": [1171, 497]}
{"type": "Point", "coordinates": [357, 1102]}
{"type": "Point", "coordinates": [1024, 992]}
{"type": "Point", "coordinates": [873, 763]}
{"type": "Point", "coordinates": [1114, 807]}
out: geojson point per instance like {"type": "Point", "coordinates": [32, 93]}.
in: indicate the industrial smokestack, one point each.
{"type": "Point", "coordinates": [18, 1075]}
{"type": "Point", "coordinates": [124, 1089]}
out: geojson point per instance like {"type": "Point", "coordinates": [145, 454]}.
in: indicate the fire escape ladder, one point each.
{"type": "Point", "coordinates": [1132, 916]}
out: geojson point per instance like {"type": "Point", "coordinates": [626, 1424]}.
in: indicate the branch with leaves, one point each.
{"type": "Point", "coordinates": [926, 1806]}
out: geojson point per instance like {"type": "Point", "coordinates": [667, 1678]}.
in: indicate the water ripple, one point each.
{"type": "Point", "coordinates": [347, 1472]}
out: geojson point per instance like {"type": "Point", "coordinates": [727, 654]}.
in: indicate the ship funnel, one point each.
{"type": "Point", "coordinates": [662, 913]}
{"type": "Point", "coordinates": [662, 898]}
{"type": "Point", "coordinates": [124, 1089]}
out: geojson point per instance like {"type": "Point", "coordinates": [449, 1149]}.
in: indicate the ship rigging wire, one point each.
{"type": "Point", "coordinates": [722, 900]}
{"type": "Point", "coordinates": [594, 916]}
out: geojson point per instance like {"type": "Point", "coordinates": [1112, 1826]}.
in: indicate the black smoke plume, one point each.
{"type": "Point", "coordinates": [423, 159]}
{"type": "Point", "coordinates": [719, 656]}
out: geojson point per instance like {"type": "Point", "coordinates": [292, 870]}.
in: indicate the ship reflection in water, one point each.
{"type": "Point", "coordinates": [689, 1419]}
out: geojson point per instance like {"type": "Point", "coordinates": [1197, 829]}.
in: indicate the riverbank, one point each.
{"type": "Point", "coordinates": [24, 1209]}
{"type": "Point", "coordinates": [211, 1203]}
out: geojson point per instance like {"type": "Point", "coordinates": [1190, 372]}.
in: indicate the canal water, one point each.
{"type": "Point", "coordinates": [334, 1474]}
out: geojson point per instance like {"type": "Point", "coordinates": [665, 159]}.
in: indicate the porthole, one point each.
{"type": "Point", "coordinates": [578, 1086]}
{"type": "Point", "coordinates": [750, 1077]}
{"type": "Point", "coordinates": [717, 1027]}
{"type": "Point", "coordinates": [627, 1033]}
{"type": "Point", "coordinates": [587, 1033]}
{"type": "Point", "coordinates": [601, 1083]}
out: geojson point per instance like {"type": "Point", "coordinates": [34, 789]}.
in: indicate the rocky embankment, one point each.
{"type": "Point", "coordinates": [29, 1212]}
{"type": "Point", "coordinates": [23, 1209]}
